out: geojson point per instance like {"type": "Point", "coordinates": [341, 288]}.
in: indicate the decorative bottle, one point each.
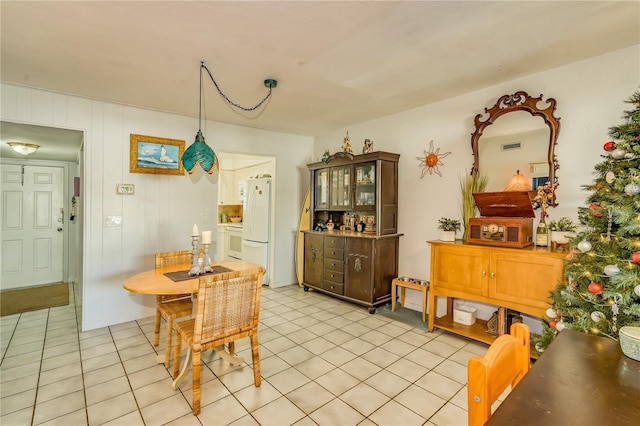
{"type": "Point", "coordinates": [542, 232]}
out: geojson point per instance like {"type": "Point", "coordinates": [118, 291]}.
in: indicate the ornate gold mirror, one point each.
{"type": "Point", "coordinates": [519, 145]}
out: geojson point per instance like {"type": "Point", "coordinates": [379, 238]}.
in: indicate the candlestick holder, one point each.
{"type": "Point", "coordinates": [207, 259]}
{"type": "Point", "coordinates": [195, 268]}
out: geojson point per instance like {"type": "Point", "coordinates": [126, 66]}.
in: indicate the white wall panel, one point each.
{"type": "Point", "coordinates": [160, 215]}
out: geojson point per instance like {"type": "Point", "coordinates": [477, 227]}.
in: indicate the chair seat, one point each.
{"type": "Point", "coordinates": [176, 309]}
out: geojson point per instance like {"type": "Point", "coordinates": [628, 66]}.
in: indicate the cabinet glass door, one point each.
{"type": "Point", "coordinates": [365, 186]}
{"type": "Point", "coordinates": [322, 189]}
{"type": "Point", "coordinates": [341, 187]}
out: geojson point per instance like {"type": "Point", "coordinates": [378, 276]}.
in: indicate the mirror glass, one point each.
{"type": "Point", "coordinates": [516, 142]}
{"type": "Point", "coordinates": [517, 134]}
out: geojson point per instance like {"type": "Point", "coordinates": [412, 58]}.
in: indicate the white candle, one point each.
{"type": "Point", "coordinates": [206, 237]}
{"type": "Point", "coordinates": [195, 230]}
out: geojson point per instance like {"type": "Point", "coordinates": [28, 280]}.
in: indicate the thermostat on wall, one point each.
{"type": "Point", "coordinates": [125, 189]}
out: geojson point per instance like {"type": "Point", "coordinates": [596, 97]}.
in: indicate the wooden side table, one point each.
{"type": "Point", "coordinates": [414, 284]}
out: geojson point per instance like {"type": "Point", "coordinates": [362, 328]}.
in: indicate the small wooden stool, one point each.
{"type": "Point", "coordinates": [413, 284]}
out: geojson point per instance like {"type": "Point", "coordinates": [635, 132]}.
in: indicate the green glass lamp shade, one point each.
{"type": "Point", "coordinates": [200, 152]}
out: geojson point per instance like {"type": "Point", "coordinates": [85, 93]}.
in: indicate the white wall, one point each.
{"type": "Point", "coordinates": [590, 97]}
{"type": "Point", "coordinates": [160, 216]}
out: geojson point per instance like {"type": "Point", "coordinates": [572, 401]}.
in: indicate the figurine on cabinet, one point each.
{"type": "Point", "coordinates": [346, 145]}
{"type": "Point", "coordinates": [368, 146]}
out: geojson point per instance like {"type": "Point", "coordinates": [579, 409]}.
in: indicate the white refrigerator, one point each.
{"type": "Point", "coordinates": [256, 222]}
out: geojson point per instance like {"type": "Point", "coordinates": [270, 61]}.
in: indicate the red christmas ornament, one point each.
{"type": "Point", "coordinates": [596, 210]}
{"type": "Point", "coordinates": [636, 257]}
{"type": "Point", "coordinates": [595, 288]}
{"type": "Point", "coordinates": [609, 146]}
{"type": "Point", "coordinates": [552, 324]}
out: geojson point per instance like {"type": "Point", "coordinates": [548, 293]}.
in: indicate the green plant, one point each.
{"type": "Point", "coordinates": [445, 224]}
{"type": "Point", "coordinates": [468, 185]}
{"type": "Point", "coordinates": [562, 224]}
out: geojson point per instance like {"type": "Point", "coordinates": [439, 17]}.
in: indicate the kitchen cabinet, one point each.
{"type": "Point", "coordinates": [354, 266]}
{"type": "Point", "coordinates": [518, 279]}
{"type": "Point", "coordinates": [228, 188]}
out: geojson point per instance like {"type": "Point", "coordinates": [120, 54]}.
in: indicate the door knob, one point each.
{"type": "Point", "coordinates": [59, 229]}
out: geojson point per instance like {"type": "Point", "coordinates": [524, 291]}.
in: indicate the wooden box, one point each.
{"type": "Point", "coordinates": [507, 219]}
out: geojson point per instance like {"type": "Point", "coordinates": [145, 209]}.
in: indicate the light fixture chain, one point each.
{"type": "Point", "coordinates": [226, 98]}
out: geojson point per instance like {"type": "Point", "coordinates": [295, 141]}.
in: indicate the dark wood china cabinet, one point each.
{"type": "Point", "coordinates": [358, 258]}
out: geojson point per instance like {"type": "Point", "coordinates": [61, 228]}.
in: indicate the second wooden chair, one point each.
{"type": "Point", "coordinates": [505, 363]}
{"type": "Point", "coordinates": [171, 306]}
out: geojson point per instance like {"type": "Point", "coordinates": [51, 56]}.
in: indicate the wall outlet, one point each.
{"type": "Point", "coordinates": [113, 221]}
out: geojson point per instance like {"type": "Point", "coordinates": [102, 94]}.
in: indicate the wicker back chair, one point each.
{"type": "Point", "coordinates": [171, 306]}
{"type": "Point", "coordinates": [505, 363]}
{"type": "Point", "coordinates": [227, 309]}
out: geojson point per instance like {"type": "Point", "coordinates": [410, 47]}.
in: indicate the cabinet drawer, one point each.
{"type": "Point", "coordinates": [334, 253]}
{"type": "Point", "coordinates": [336, 265]}
{"type": "Point", "coordinates": [334, 287]}
{"type": "Point", "coordinates": [333, 276]}
{"type": "Point", "coordinates": [334, 242]}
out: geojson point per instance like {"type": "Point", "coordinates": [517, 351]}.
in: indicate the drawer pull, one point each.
{"type": "Point", "coordinates": [493, 275]}
{"type": "Point", "coordinates": [484, 273]}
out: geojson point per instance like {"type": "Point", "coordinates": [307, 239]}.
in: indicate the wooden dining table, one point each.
{"type": "Point", "coordinates": [175, 280]}
{"type": "Point", "coordinates": [580, 379]}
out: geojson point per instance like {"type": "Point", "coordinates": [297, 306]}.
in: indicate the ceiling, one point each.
{"type": "Point", "coordinates": [336, 63]}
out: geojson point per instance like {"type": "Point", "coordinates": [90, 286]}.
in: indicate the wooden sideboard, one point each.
{"type": "Point", "coordinates": [518, 279]}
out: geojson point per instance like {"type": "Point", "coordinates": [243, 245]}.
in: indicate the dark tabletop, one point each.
{"type": "Point", "coordinates": [579, 380]}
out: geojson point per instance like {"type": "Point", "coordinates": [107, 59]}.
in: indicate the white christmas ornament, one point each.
{"type": "Point", "coordinates": [610, 177]}
{"type": "Point", "coordinates": [551, 313]}
{"type": "Point", "coordinates": [618, 153]}
{"type": "Point", "coordinates": [611, 270]}
{"type": "Point", "coordinates": [560, 326]}
{"type": "Point", "coordinates": [597, 316]}
{"type": "Point", "coordinates": [584, 245]}
{"type": "Point", "coordinates": [631, 189]}
{"type": "Point", "coordinates": [636, 290]}
{"type": "Point", "coordinates": [630, 155]}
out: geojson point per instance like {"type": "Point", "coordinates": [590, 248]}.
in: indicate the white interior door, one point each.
{"type": "Point", "coordinates": [32, 225]}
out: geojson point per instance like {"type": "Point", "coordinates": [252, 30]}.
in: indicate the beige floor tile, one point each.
{"type": "Point", "coordinates": [111, 408]}
{"type": "Point", "coordinates": [440, 385]}
{"type": "Point", "coordinates": [388, 383]}
{"type": "Point", "coordinates": [314, 367]}
{"type": "Point", "coordinates": [337, 382]}
{"type": "Point", "coordinates": [336, 412]}
{"type": "Point", "coordinates": [360, 368]}
{"type": "Point", "coordinates": [450, 414]}
{"type": "Point", "coordinates": [18, 401]}
{"type": "Point", "coordinates": [358, 346]}
{"type": "Point", "coordinates": [60, 361]}
{"type": "Point", "coordinates": [107, 390]}
{"type": "Point", "coordinates": [253, 397]}
{"type": "Point", "coordinates": [20, 417]}
{"type": "Point", "coordinates": [380, 357]}
{"type": "Point", "coordinates": [277, 413]}
{"type": "Point", "coordinates": [97, 350]}
{"type": "Point", "coordinates": [295, 355]}
{"type": "Point", "coordinates": [288, 380]}
{"type": "Point", "coordinates": [420, 401]}
{"type": "Point", "coordinates": [166, 410]}
{"type": "Point", "coordinates": [310, 397]}
{"type": "Point", "coordinates": [452, 370]}
{"type": "Point", "coordinates": [149, 375]}
{"type": "Point", "coordinates": [394, 414]}
{"type": "Point", "coordinates": [102, 375]}
{"type": "Point", "coordinates": [60, 388]}
{"type": "Point", "coordinates": [132, 419]}
{"type": "Point", "coordinates": [222, 412]}
{"type": "Point", "coordinates": [424, 358]}
{"type": "Point", "coordinates": [76, 418]}
{"type": "Point", "coordinates": [12, 387]}
{"type": "Point", "coordinates": [98, 362]}
{"type": "Point", "coordinates": [54, 408]}
{"type": "Point", "coordinates": [364, 398]}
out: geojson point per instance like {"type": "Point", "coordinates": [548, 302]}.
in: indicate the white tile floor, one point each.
{"type": "Point", "coordinates": [323, 361]}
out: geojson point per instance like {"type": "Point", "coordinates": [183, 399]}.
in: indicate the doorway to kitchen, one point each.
{"type": "Point", "coordinates": [235, 201]}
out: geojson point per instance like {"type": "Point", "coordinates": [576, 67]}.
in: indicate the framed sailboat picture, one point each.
{"type": "Point", "coordinates": [159, 156]}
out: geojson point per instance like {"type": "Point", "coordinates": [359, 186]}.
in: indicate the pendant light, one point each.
{"type": "Point", "coordinates": [201, 153]}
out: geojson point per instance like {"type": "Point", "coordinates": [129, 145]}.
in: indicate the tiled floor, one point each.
{"type": "Point", "coordinates": [323, 361]}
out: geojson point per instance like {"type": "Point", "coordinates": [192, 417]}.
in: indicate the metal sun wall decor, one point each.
{"type": "Point", "coordinates": [431, 161]}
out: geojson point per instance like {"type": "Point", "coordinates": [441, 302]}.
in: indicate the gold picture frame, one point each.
{"type": "Point", "coordinates": [154, 155]}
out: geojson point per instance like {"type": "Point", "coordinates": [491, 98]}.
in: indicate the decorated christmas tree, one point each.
{"type": "Point", "coordinates": [601, 292]}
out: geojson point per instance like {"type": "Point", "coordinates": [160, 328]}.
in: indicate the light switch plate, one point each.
{"type": "Point", "coordinates": [125, 189]}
